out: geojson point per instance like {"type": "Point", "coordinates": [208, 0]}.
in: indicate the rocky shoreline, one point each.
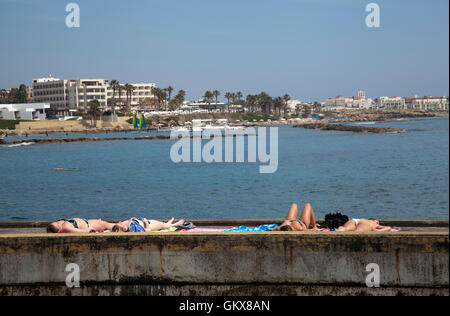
{"type": "Point", "coordinates": [344, 116]}
{"type": "Point", "coordinates": [383, 115]}
{"type": "Point", "coordinates": [349, 128]}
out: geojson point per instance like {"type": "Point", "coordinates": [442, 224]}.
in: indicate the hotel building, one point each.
{"type": "Point", "coordinates": [427, 103]}
{"type": "Point", "coordinates": [66, 96]}
{"type": "Point", "coordinates": [391, 103]}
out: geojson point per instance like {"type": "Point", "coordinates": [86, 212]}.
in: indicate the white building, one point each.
{"type": "Point", "coordinates": [65, 96]}
{"type": "Point", "coordinates": [359, 102]}
{"type": "Point", "coordinates": [427, 103]}
{"type": "Point", "coordinates": [26, 111]}
{"type": "Point", "coordinates": [391, 103]}
{"type": "Point", "coordinates": [294, 105]}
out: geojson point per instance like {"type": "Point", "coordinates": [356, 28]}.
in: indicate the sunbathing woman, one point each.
{"type": "Point", "coordinates": [363, 225]}
{"type": "Point", "coordinates": [79, 226]}
{"type": "Point", "coordinates": [307, 220]}
{"type": "Point", "coordinates": [144, 225]}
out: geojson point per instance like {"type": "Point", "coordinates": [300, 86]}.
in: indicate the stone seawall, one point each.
{"type": "Point", "coordinates": [274, 263]}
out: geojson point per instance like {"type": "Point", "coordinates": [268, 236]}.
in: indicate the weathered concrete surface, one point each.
{"type": "Point", "coordinates": [226, 263]}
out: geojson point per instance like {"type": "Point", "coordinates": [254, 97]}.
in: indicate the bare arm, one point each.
{"type": "Point", "coordinates": [380, 228]}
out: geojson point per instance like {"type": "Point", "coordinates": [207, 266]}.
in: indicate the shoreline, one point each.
{"type": "Point", "coordinates": [349, 117]}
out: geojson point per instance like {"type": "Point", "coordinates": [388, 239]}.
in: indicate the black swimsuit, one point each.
{"type": "Point", "coordinates": [74, 222]}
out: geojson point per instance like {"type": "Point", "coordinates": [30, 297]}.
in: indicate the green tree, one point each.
{"type": "Point", "coordinates": [114, 85]}
{"type": "Point", "coordinates": [120, 88]}
{"type": "Point", "coordinates": [129, 91]}
{"type": "Point", "coordinates": [216, 94]}
{"type": "Point", "coordinates": [265, 102]}
{"type": "Point", "coordinates": [169, 90]}
{"type": "Point", "coordinates": [208, 98]}
{"type": "Point", "coordinates": [286, 99]}
{"type": "Point", "coordinates": [94, 111]}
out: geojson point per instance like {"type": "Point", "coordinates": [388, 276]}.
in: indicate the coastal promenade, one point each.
{"type": "Point", "coordinates": [414, 261]}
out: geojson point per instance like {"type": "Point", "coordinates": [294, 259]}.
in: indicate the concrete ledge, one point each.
{"type": "Point", "coordinates": [216, 290]}
{"type": "Point", "coordinates": [232, 263]}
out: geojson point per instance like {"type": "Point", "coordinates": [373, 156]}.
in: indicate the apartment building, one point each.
{"type": "Point", "coordinates": [68, 96]}
{"type": "Point", "coordinates": [26, 111]}
{"type": "Point", "coordinates": [359, 102]}
{"type": "Point", "coordinates": [427, 103]}
{"type": "Point", "coordinates": [141, 92]}
{"type": "Point", "coordinates": [391, 103]}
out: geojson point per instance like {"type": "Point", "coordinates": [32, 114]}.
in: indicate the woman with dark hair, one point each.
{"type": "Point", "coordinates": [364, 225]}
{"type": "Point", "coordinates": [307, 221]}
{"type": "Point", "coordinates": [79, 226]}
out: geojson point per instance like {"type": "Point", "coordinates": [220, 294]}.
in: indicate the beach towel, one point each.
{"type": "Point", "coordinates": [135, 227]}
{"type": "Point", "coordinates": [262, 228]}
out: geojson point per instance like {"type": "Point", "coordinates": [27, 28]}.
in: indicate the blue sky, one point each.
{"type": "Point", "coordinates": [310, 49]}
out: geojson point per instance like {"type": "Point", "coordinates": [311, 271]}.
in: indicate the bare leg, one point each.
{"type": "Point", "coordinates": [308, 217]}
{"type": "Point", "coordinates": [157, 225]}
{"type": "Point", "coordinates": [293, 213]}
{"type": "Point", "coordinates": [350, 226]}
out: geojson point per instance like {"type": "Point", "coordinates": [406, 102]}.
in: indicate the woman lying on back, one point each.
{"type": "Point", "coordinates": [140, 225]}
{"type": "Point", "coordinates": [79, 226]}
{"type": "Point", "coordinates": [307, 221]}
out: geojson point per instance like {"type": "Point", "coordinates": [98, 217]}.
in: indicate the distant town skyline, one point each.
{"type": "Point", "coordinates": [311, 50]}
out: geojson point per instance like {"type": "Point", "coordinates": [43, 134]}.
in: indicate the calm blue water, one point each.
{"type": "Point", "coordinates": [402, 176]}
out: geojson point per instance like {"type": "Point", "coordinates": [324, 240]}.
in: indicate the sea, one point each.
{"type": "Point", "coordinates": [386, 176]}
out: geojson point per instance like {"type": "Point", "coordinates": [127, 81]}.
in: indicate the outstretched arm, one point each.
{"type": "Point", "coordinates": [380, 228]}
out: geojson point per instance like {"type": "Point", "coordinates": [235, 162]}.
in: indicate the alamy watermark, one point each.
{"type": "Point", "coordinates": [373, 278]}
{"type": "Point", "coordinates": [373, 18]}
{"type": "Point", "coordinates": [73, 278]}
{"type": "Point", "coordinates": [73, 18]}
{"type": "Point", "coordinates": [220, 147]}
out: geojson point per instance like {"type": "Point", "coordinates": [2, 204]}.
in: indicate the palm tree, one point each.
{"type": "Point", "coordinates": [155, 92]}
{"type": "Point", "coordinates": [286, 99]}
{"type": "Point", "coordinates": [113, 84]}
{"type": "Point", "coordinates": [278, 104]}
{"type": "Point", "coordinates": [129, 91]}
{"type": "Point", "coordinates": [252, 101]}
{"type": "Point", "coordinates": [169, 90]}
{"type": "Point", "coordinates": [216, 94]}
{"type": "Point", "coordinates": [265, 102]}
{"type": "Point", "coordinates": [239, 96]}
{"type": "Point", "coordinates": [94, 111]}
{"type": "Point", "coordinates": [228, 96]}
{"type": "Point", "coordinates": [208, 97]}
{"type": "Point", "coordinates": [120, 88]}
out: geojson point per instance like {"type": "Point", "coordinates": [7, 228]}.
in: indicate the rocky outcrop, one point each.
{"type": "Point", "coordinates": [352, 115]}
{"type": "Point", "coordinates": [350, 128]}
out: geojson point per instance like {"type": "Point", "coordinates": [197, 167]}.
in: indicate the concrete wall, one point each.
{"type": "Point", "coordinates": [226, 263]}
{"type": "Point", "coordinates": [73, 126]}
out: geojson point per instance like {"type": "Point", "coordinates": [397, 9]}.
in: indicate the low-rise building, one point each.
{"type": "Point", "coordinates": [427, 103]}
{"type": "Point", "coordinates": [391, 103]}
{"type": "Point", "coordinates": [359, 102]}
{"type": "Point", "coordinates": [24, 111]}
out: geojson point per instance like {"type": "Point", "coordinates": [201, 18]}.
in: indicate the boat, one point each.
{"type": "Point", "coordinates": [180, 129]}
{"type": "Point", "coordinates": [213, 125]}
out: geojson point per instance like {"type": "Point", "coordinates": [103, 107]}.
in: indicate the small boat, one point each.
{"type": "Point", "coordinates": [180, 129]}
